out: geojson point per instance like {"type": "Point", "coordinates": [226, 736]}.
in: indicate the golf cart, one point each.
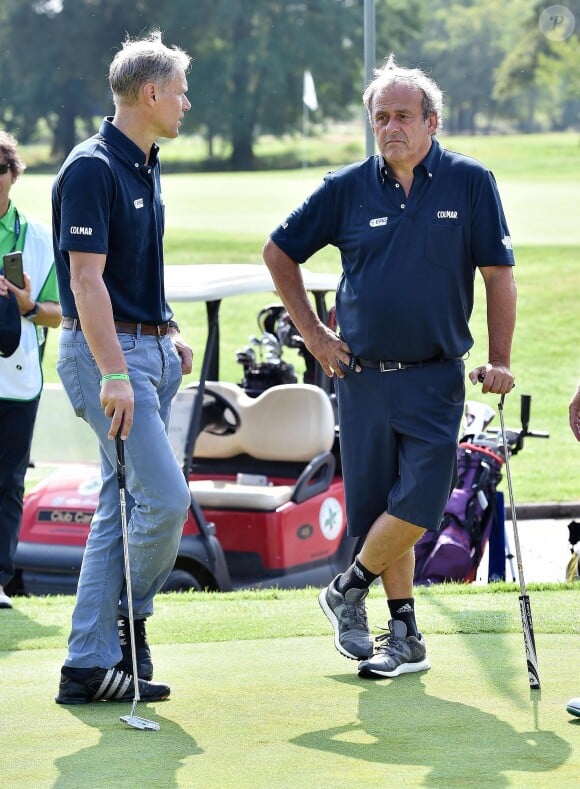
{"type": "Point", "coordinates": [261, 457]}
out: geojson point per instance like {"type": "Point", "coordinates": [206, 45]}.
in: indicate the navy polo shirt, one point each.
{"type": "Point", "coordinates": [406, 292]}
{"type": "Point", "coordinates": [107, 200]}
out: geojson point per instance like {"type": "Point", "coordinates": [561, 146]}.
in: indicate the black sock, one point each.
{"type": "Point", "coordinates": [404, 610]}
{"type": "Point", "coordinates": [356, 577]}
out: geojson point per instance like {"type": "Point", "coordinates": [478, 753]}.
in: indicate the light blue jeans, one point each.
{"type": "Point", "coordinates": [157, 493]}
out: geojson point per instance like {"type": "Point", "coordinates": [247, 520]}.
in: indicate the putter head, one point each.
{"type": "Point", "coordinates": [139, 723]}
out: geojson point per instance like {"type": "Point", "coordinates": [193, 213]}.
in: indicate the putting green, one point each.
{"type": "Point", "coordinates": [291, 712]}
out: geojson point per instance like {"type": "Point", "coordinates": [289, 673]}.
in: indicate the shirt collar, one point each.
{"type": "Point", "coordinates": [9, 217]}
{"type": "Point", "coordinates": [429, 164]}
{"type": "Point", "coordinates": [116, 139]}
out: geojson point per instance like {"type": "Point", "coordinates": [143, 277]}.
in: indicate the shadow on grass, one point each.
{"type": "Point", "coordinates": [471, 622]}
{"type": "Point", "coordinates": [124, 756]}
{"type": "Point", "coordinates": [401, 724]}
{"type": "Point", "coordinates": [16, 629]}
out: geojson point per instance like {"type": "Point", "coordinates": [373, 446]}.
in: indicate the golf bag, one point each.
{"type": "Point", "coordinates": [278, 332]}
{"type": "Point", "coordinates": [454, 552]}
{"type": "Point", "coordinates": [573, 568]}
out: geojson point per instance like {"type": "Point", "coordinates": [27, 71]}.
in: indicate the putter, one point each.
{"type": "Point", "coordinates": [132, 720]}
{"type": "Point", "coordinates": [525, 608]}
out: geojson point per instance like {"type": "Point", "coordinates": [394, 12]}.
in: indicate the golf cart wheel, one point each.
{"type": "Point", "coordinates": [181, 581]}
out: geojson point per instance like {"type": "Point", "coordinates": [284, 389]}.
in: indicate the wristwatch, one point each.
{"type": "Point", "coordinates": [33, 312]}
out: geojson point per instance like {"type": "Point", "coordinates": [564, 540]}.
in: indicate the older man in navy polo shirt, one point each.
{"type": "Point", "coordinates": [121, 361]}
{"type": "Point", "coordinates": [412, 225]}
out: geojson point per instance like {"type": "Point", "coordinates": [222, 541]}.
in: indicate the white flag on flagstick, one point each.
{"type": "Point", "coordinates": [309, 92]}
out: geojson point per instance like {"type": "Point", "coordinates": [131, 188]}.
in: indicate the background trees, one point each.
{"type": "Point", "coordinates": [497, 68]}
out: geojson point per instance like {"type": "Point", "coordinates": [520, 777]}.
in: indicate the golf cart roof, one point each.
{"type": "Point", "coordinates": [212, 282]}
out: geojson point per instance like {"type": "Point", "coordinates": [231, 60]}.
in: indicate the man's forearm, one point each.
{"type": "Point", "coordinates": [290, 286]}
{"type": "Point", "coordinates": [501, 317]}
{"type": "Point", "coordinates": [96, 317]}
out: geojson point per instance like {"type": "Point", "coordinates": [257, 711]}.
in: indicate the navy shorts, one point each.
{"type": "Point", "coordinates": [398, 442]}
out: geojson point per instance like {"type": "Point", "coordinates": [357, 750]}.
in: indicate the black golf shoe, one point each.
{"type": "Point", "coordinates": [144, 661]}
{"type": "Point", "coordinates": [83, 685]}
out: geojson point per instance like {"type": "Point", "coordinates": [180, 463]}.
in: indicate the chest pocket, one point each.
{"type": "Point", "coordinates": [445, 243]}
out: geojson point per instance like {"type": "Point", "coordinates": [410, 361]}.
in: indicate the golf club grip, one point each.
{"type": "Point", "coordinates": [120, 446]}
{"type": "Point", "coordinates": [529, 642]}
{"type": "Point", "coordinates": [525, 406]}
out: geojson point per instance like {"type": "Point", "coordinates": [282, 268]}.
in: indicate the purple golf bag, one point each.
{"type": "Point", "coordinates": [454, 552]}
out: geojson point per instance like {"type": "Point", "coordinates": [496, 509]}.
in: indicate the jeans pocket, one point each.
{"type": "Point", "coordinates": [128, 342]}
{"type": "Point", "coordinates": [67, 369]}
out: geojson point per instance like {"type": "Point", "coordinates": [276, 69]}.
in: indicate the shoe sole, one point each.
{"type": "Point", "coordinates": [404, 668]}
{"type": "Point", "coordinates": [84, 700]}
{"type": "Point", "coordinates": [329, 613]}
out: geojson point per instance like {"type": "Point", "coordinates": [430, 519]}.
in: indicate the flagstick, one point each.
{"type": "Point", "coordinates": [304, 135]}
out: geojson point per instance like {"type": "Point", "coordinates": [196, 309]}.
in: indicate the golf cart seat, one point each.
{"type": "Point", "coordinates": [292, 424]}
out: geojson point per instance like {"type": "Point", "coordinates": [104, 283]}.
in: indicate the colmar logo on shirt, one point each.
{"type": "Point", "coordinates": [380, 221]}
{"type": "Point", "coordinates": [447, 214]}
{"type": "Point", "coordinates": [75, 230]}
{"type": "Point", "coordinates": [507, 242]}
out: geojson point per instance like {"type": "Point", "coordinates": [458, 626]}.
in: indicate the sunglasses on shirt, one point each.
{"type": "Point", "coordinates": [4, 169]}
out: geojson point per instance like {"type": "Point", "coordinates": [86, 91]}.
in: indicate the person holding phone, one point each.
{"type": "Point", "coordinates": [30, 279]}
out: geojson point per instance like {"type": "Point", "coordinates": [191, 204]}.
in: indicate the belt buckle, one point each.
{"type": "Point", "coordinates": [389, 367]}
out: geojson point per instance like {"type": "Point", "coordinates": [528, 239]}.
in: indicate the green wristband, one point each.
{"type": "Point", "coordinates": [114, 377]}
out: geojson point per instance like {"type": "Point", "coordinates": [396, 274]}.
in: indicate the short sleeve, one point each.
{"type": "Point", "coordinates": [309, 227]}
{"type": "Point", "coordinates": [491, 240]}
{"type": "Point", "coordinates": [87, 191]}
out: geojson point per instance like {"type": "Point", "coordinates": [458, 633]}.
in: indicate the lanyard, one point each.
{"type": "Point", "coordinates": [16, 228]}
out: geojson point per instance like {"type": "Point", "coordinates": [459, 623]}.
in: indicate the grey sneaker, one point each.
{"type": "Point", "coordinates": [348, 616]}
{"type": "Point", "coordinates": [397, 654]}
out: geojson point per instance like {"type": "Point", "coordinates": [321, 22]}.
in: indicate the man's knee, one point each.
{"type": "Point", "coordinates": [174, 506]}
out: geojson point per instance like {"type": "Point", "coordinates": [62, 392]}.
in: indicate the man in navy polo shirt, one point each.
{"type": "Point", "coordinates": [412, 225]}
{"type": "Point", "coordinates": [121, 361]}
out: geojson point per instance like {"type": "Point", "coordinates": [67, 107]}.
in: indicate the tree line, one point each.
{"type": "Point", "coordinates": [500, 65]}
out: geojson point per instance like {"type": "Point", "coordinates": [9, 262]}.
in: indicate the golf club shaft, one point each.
{"type": "Point", "coordinates": [525, 608]}
{"type": "Point", "coordinates": [511, 500]}
{"type": "Point", "coordinates": [121, 479]}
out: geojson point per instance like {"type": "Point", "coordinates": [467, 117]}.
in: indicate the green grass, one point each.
{"type": "Point", "coordinates": [43, 622]}
{"type": "Point", "coordinates": [261, 699]}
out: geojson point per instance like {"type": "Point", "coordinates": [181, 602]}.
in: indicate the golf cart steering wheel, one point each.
{"type": "Point", "coordinates": [218, 416]}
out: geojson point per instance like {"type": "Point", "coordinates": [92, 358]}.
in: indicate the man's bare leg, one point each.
{"type": "Point", "coordinates": [388, 540]}
{"type": "Point", "coordinates": [387, 552]}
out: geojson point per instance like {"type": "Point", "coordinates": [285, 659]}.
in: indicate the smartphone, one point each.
{"type": "Point", "coordinates": [13, 270]}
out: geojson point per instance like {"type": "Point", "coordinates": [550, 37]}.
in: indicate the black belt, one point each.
{"type": "Point", "coordinates": [388, 366]}
{"type": "Point", "coordinates": [123, 327]}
